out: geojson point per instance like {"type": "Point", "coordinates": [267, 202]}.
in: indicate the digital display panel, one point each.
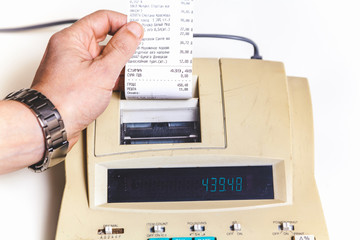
{"type": "Point", "coordinates": [190, 184]}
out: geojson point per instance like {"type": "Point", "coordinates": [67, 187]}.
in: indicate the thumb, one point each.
{"type": "Point", "coordinates": [121, 47]}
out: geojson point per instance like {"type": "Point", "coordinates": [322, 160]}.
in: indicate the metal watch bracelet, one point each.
{"type": "Point", "coordinates": [56, 144]}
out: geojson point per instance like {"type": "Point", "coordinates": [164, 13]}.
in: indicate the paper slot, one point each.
{"type": "Point", "coordinates": [159, 121]}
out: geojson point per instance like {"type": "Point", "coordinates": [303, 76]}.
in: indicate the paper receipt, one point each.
{"type": "Point", "coordinates": [161, 67]}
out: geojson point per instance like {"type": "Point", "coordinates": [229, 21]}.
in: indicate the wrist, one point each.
{"type": "Point", "coordinates": [19, 128]}
{"type": "Point", "coordinates": [66, 113]}
{"type": "Point", "coordinates": [52, 125]}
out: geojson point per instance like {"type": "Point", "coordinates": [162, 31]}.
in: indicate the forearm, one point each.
{"type": "Point", "coordinates": [77, 75]}
{"type": "Point", "coordinates": [21, 138]}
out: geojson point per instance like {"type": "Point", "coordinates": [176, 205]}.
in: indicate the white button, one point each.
{"type": "Point", "coordinates": [304, 237]}
{"type": "Point", "coordinates": [236, 227]}
{"type": "Point", "coordinates": [108, 229]}
{"type": "Point", "coordinates": [286, 226]}
{"type": "Point", "coordinates": [198, 228]}
{"type": "Point", "coordinates": [159, 229]}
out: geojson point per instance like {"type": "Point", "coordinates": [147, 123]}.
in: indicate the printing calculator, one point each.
{"type": "Point", "coordinates": [235, 162]}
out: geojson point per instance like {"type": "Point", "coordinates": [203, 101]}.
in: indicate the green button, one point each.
{"type": "Point", "coordinates": [205, 238]}
{"type": "Point", "coordinates": [182, 238]}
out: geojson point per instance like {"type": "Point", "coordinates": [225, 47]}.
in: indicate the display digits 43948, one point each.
{"type": "Point", "coordinates": [222, 184]}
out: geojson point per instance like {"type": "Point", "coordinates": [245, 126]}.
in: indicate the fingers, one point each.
{"type": "Point", "coordinates": [101, 23]}
{"type": "Point", "coordinates": [94, 28]}
{"type": "Point", "coordinates": [122, 46]}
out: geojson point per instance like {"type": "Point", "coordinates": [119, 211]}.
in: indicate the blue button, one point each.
{"type": "Point", "coordinates": [159, 239]}
{"type": "Point", "coordinates": [182, 238]}
{"type": "Point", "coordinates": [205, 238]}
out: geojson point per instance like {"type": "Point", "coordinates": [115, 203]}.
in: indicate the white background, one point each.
{"type": "Point", "coordinates": [315, 39]}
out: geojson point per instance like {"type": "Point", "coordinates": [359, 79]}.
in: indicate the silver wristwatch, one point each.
{"type": "Point", "coordinates": [56, 144]}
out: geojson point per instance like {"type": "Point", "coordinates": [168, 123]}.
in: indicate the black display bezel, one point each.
{"type": "Point", "coordinates": [190, 184]}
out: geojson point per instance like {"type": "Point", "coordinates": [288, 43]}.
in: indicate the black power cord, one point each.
{"type": "Point", "coordinates": [38, 26]}
{"type": "Point", "coordinates": [196, 35]}
{"type": "Point", "coordinates": [233, 37]}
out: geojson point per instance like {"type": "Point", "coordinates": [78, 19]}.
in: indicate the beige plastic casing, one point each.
{"type": "Point", "coordinates": [251, 114]}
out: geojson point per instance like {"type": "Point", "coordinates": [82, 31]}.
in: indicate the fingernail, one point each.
{"type": "Point", "coordinates": [135, 28]}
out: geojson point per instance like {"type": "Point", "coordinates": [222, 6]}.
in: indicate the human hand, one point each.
{"type": "Point", "coordinates": [78, 75]}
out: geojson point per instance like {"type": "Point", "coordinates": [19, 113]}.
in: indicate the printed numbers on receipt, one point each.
{"type": "Point", "coordinates": [161, 67]}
